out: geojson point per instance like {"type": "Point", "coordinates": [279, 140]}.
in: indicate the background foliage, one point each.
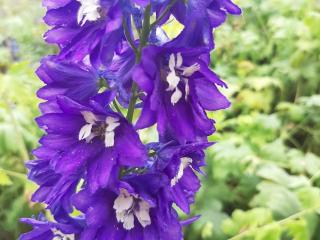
{"type": "Point", "coordinates": [263, 176]}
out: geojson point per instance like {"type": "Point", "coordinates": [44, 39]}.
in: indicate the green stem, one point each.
{"type": "Point", "coordinates": [143, 42]}
{"type": "Point", "coordinates": [144, 36]}
{"type": "Point", "coordinates": [145, 32]}
{"type": "Point", "coordinates": [132, 103]}
{"type": "Point", "coordinates": [128, 36]}
{"type": "Point", "coordinates": [117, 107]}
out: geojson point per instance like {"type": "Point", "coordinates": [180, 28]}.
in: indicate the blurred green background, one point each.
{"type": "Point", "coordinates": [263, 175]}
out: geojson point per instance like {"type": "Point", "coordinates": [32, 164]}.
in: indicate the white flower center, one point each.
{"type": "Point", "coordinates": [58, 235]}
{"type": "Point", "coordinates": [185, 162]}
{"type": "Point", "coordinates": [112, 124]}
{"type": "Point", "coordinates": [175, 63]}
{"type": "Point", "coordinates": [127, 206]}
{"type": "Point", "coordinates": [95, 128]}
{"type": "Point", "coordinates": [88, 11]}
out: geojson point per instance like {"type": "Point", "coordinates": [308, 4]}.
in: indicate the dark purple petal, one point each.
{"type": "Point", "coordinates": [100, 169]}
{"type": "Point", "coordinates": [130, 150]}
{"type": "Point", "coordinates": [59, 123]}
{"type": "Point", "coordinates": [209, 96]}
{"type": "Point", "coordinates": [55, 3]}
{"type": "Point", "coordinates": [147, 117]}
{"type": "Point", "coordinates": [60, 35]}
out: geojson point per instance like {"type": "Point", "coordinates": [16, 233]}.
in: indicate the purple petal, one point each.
{"type": "Point", "coordinates": [129, 147]}
{"type": "Point", "coordinates": [209, 95]}
{"type": "Point", "coordinates": [59, 123]}
{"type": "Point", "coordinates": [100, 169]}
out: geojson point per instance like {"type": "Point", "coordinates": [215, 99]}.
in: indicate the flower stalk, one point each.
{"type": "Point", "coordinates": [91, 157]}
{"type": "Point", "coordinates": [143, 41]}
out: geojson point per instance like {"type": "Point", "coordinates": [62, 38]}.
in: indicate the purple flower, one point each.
{"type": "Point", "coordinates": [45, 230]}
{"type": "Point", "coordinates": [137, 208]}
{"type": "Point", "coordinates": [54, 189]}
{"type": "Point", "coordinates": [85, 28]}
{"type": "Point", "coordinates": [91, 139]}
{"type": "Point", "coordinates": [205, 16]}
{"type": "Point", "coordinates": [76, 81]}
{"type": "Point", "coordinates": [91, 158]}
{"type": "Point", "coordinates": [119, 74]}
{"type": "Point", "coordinates": [180, 163]}
{"type": "Point", "coordinates": [179, 87]}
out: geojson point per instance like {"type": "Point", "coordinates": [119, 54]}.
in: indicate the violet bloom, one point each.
{"type": "Point", "coordinates": [119, 74]}
{"type": "Point", "coordinates": [179, 87]}
{"type": "Point", "coordinates": [137, 208]}
{"type": "Point", "coordinates": [85, 27]}
{"type": "Point", "coordinates": [206, 15]}
{"type": "Point", "coordinates": [91, 158]}
{"type": "Point", "coordinates": [92, 138]}
{"type": "Point", "coordinates": [181, 163]}
{"type": "Point", "coordinates": [54, 189]}
{"type": "Point", "coordinates": [76, 81]}
{"type": "Point", "coordinates": [45, 230]}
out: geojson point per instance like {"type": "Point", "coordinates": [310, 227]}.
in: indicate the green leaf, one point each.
{"type": "Point", "coordinates": [212, 216]}
{"type": "Point", "coordinates": [4, 179]}
{"type": "Point", "coordinates": [309, 197]}
{"type": "Point", "coordinates": [312, 101]}
{"type": "Point", "coordinates": [312, 163]}
{"type": "Point", "coordinates": [278, 175]}
{"type": "Point", "coordinates": [298, 229]}
{"type": "Point", "coordinates": [242, 220]}
{"type": "Point", "coordinates": [275, 151]}
{"type": "Point", "coordinates": [272, 232]}
{"type": "Point", "coordinates": [308, 163]}
{"type": "Point", "coordinates": [281, 201]}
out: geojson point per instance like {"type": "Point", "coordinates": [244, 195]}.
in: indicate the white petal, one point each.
{"type": "Point", "coordinates": [86, 60]}
{"type": "Point", "coordinates": [188, 71]}
{"type": "Point", "coordinates": [85, 131]}
{"type": "Point", "coordinates": [110, 120]}
{"type": "Point", "coordinates": [112, 127]}
{"type": "Point", "coordinates": [58, 235]}
{"type": "Point", "coordinates": [112, 123]}
{"type": "Point", "coordinates": [142, 213]}
{"type": "Point", "coordinates": [128, 222]}
{"type": "Point", "coordinates": [172, 62]}
{"type": "Point", "coordinates": [120, 216]}
{"type": "Point", "coordinates": [185, 162]}
{"type": "Point", "coordinates": [173, 81]}
{"type": "Point", "coordinates": [179, 60]}
{"type": "Point", "coordinates": [109, 139]}
{"type": "Point", "coordinates": [89, 117]}
{"type": "Point", "coordinates": [123, 202]}
{"type": "Point", "coordinates": [80, 15]}
{"type": "Point", "coordinates": [90, 137]}
{"type": "Point", "coordinates": [175, 97]}
{"type": "Point", "coordinates": [88, 11]}
{"type": "Point", "coordinates": [187, 88]}
{"type": "Point", "coordinates": [125, 192]}
{"type": "Point", "coordinates": [92, 14]}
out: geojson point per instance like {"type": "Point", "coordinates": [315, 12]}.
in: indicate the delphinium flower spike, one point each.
{"type": "Point", "coordinates": [117, 72]}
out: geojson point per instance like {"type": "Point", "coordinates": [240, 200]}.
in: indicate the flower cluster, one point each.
{"type": "Point", "coordinates": [115, 63]}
